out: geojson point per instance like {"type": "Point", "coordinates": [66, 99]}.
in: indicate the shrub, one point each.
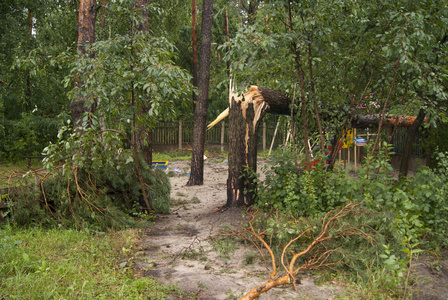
{"type": "Point", "coordinates": [415, 207]}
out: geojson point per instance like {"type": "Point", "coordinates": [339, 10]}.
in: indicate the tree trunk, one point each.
{"type": "Point", "coordinates": [297, 60]}
{"type": "Point", "coordinates": [237, 132]}
{"type": "Point", "coordinates": [86, 36]}
{"type": "Point", "coordinates": [144, 137]}
{"type": "Point", "coordinates": [200, 111]}
{"type": "Point", "coordinates": [226, 19]}
{"type": "Point", "coordinates": [244, 121]}
{"type": "Point", "coordinates": [195, 49]}
{"type": "Point", "coordinates": [316, 109]}
{"type": "Point", "coordinates": [364, 121]}
{"type": "Point", "coordinates": [412, 131]}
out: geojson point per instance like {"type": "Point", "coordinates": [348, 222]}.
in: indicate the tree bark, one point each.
{"type": "Point", "coordinates": [86, 36]}
{"type": "Point", "coordinates": [244, 122]}
{"type": "Point", "coordinates": [316, 109]}
{"type": "Point", "coordinates": [195, 49]}
{"type": "Point", "coordinates": [297, 60]}
{"type": "Point", "coordinates": [226, 19]}
{"type": "Point", "coordinates": [412, 131]}
{"type": "Point", "coordinates": [200, 111]}
{"type": "Point", "coordinates": [144, 136]}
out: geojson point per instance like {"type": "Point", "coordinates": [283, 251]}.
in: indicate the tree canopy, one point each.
{"type": "Point", "coordinates": [336, 57]}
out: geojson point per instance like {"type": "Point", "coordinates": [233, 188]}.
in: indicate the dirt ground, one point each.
{"type": "Point", "coordinates": [178, 248]}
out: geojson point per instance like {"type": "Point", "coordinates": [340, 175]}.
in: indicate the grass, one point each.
{"type": "Point", "coordinates": [175, 155]}
{"type": "Point", "coordinates": [65, 263]}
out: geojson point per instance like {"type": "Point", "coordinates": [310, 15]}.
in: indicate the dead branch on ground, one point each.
{"type": "Point", "coordinates": [315, 254]}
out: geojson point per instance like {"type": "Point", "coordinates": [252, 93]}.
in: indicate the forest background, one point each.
{"type": "Point", "coordinates": [337, 59]}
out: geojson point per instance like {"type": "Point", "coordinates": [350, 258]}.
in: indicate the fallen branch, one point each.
{"type": "Point", "coordinates": [316, 252]}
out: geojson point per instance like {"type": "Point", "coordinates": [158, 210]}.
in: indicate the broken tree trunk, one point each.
{"type": "Point", "coordinates": [364, 121]}
{"type": "Point", "coordinates": [245, 118]}
{"type": "Point", "coordinates": [245, 114]}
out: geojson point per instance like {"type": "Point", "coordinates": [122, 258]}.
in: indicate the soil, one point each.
{"type": "Point", "coordinates": [178, 248]}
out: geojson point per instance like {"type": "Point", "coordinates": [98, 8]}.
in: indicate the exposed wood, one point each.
{"type": "Point", "coordinates": [272, 101]}
{"type": "Point", "coordinates": [279, 103]}
{"type": "Point", "coordinates": [244, 121]}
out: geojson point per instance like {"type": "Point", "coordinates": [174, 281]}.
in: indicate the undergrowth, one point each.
{"type": "Point", "coordinates": [403, 217]}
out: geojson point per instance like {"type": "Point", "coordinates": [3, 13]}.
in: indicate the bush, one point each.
{"type": "Point", "coordinates": [414, 207]}
{"type": "Point", "coordinates": [290, 188]}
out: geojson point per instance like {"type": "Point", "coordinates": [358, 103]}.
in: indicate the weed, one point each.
{"type": "Point", "coordinates": [202, 286]}
{"type": "Point", "coordinates": [195, 200]}
{"type": "Point", "coordinates": [175, 155]}
{"type": "Point", "coordinates": [250, 257]}
{"type": "Point", "coordinates": [224, 245]}
{"type": "Point", "coordinates": [226, 271]}
{"type": "Point", "coordinates": [231, 295]}
{"type": "Point", "coordinates": [180, 194]}
{"type": "Point", "coordinates": [179, 202]}
{"type": "Point", "coordinates": [191, 254]}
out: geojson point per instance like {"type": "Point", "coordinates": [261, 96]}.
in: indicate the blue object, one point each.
{"type": "Point", "coordinates": [361, 141]}
{"type": "Point", "coordinates": [163, 165]}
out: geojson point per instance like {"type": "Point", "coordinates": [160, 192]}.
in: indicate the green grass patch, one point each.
{"type": "Point", "coordinates": [65, 263]}
{"type": "Point", "coordinates": [174, 155]}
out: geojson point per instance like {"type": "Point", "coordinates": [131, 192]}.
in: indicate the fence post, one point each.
{"type": "Point", "coordinates": [264, 136]}
{"type": "Point", "coordinates": [223, 127]}
{"type": "Point", "coordinates": [180, 135]}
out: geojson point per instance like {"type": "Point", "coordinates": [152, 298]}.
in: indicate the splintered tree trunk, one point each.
{"type": "Point", "coordinates": [237, 132]}
{"type": "Point", "coordinates": [245, 119]}
{"type": "Point", "coordinates": [243, 128]}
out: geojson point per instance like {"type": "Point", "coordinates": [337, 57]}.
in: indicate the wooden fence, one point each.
{"type": "Point", "coordinates": [181, 133]}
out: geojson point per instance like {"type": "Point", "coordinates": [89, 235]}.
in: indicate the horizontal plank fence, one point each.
{"type": "Point", "coordinates": [181, 133]}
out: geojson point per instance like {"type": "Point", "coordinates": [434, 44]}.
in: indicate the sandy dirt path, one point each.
{"type": "Point", "coordinates": [178, 248]}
